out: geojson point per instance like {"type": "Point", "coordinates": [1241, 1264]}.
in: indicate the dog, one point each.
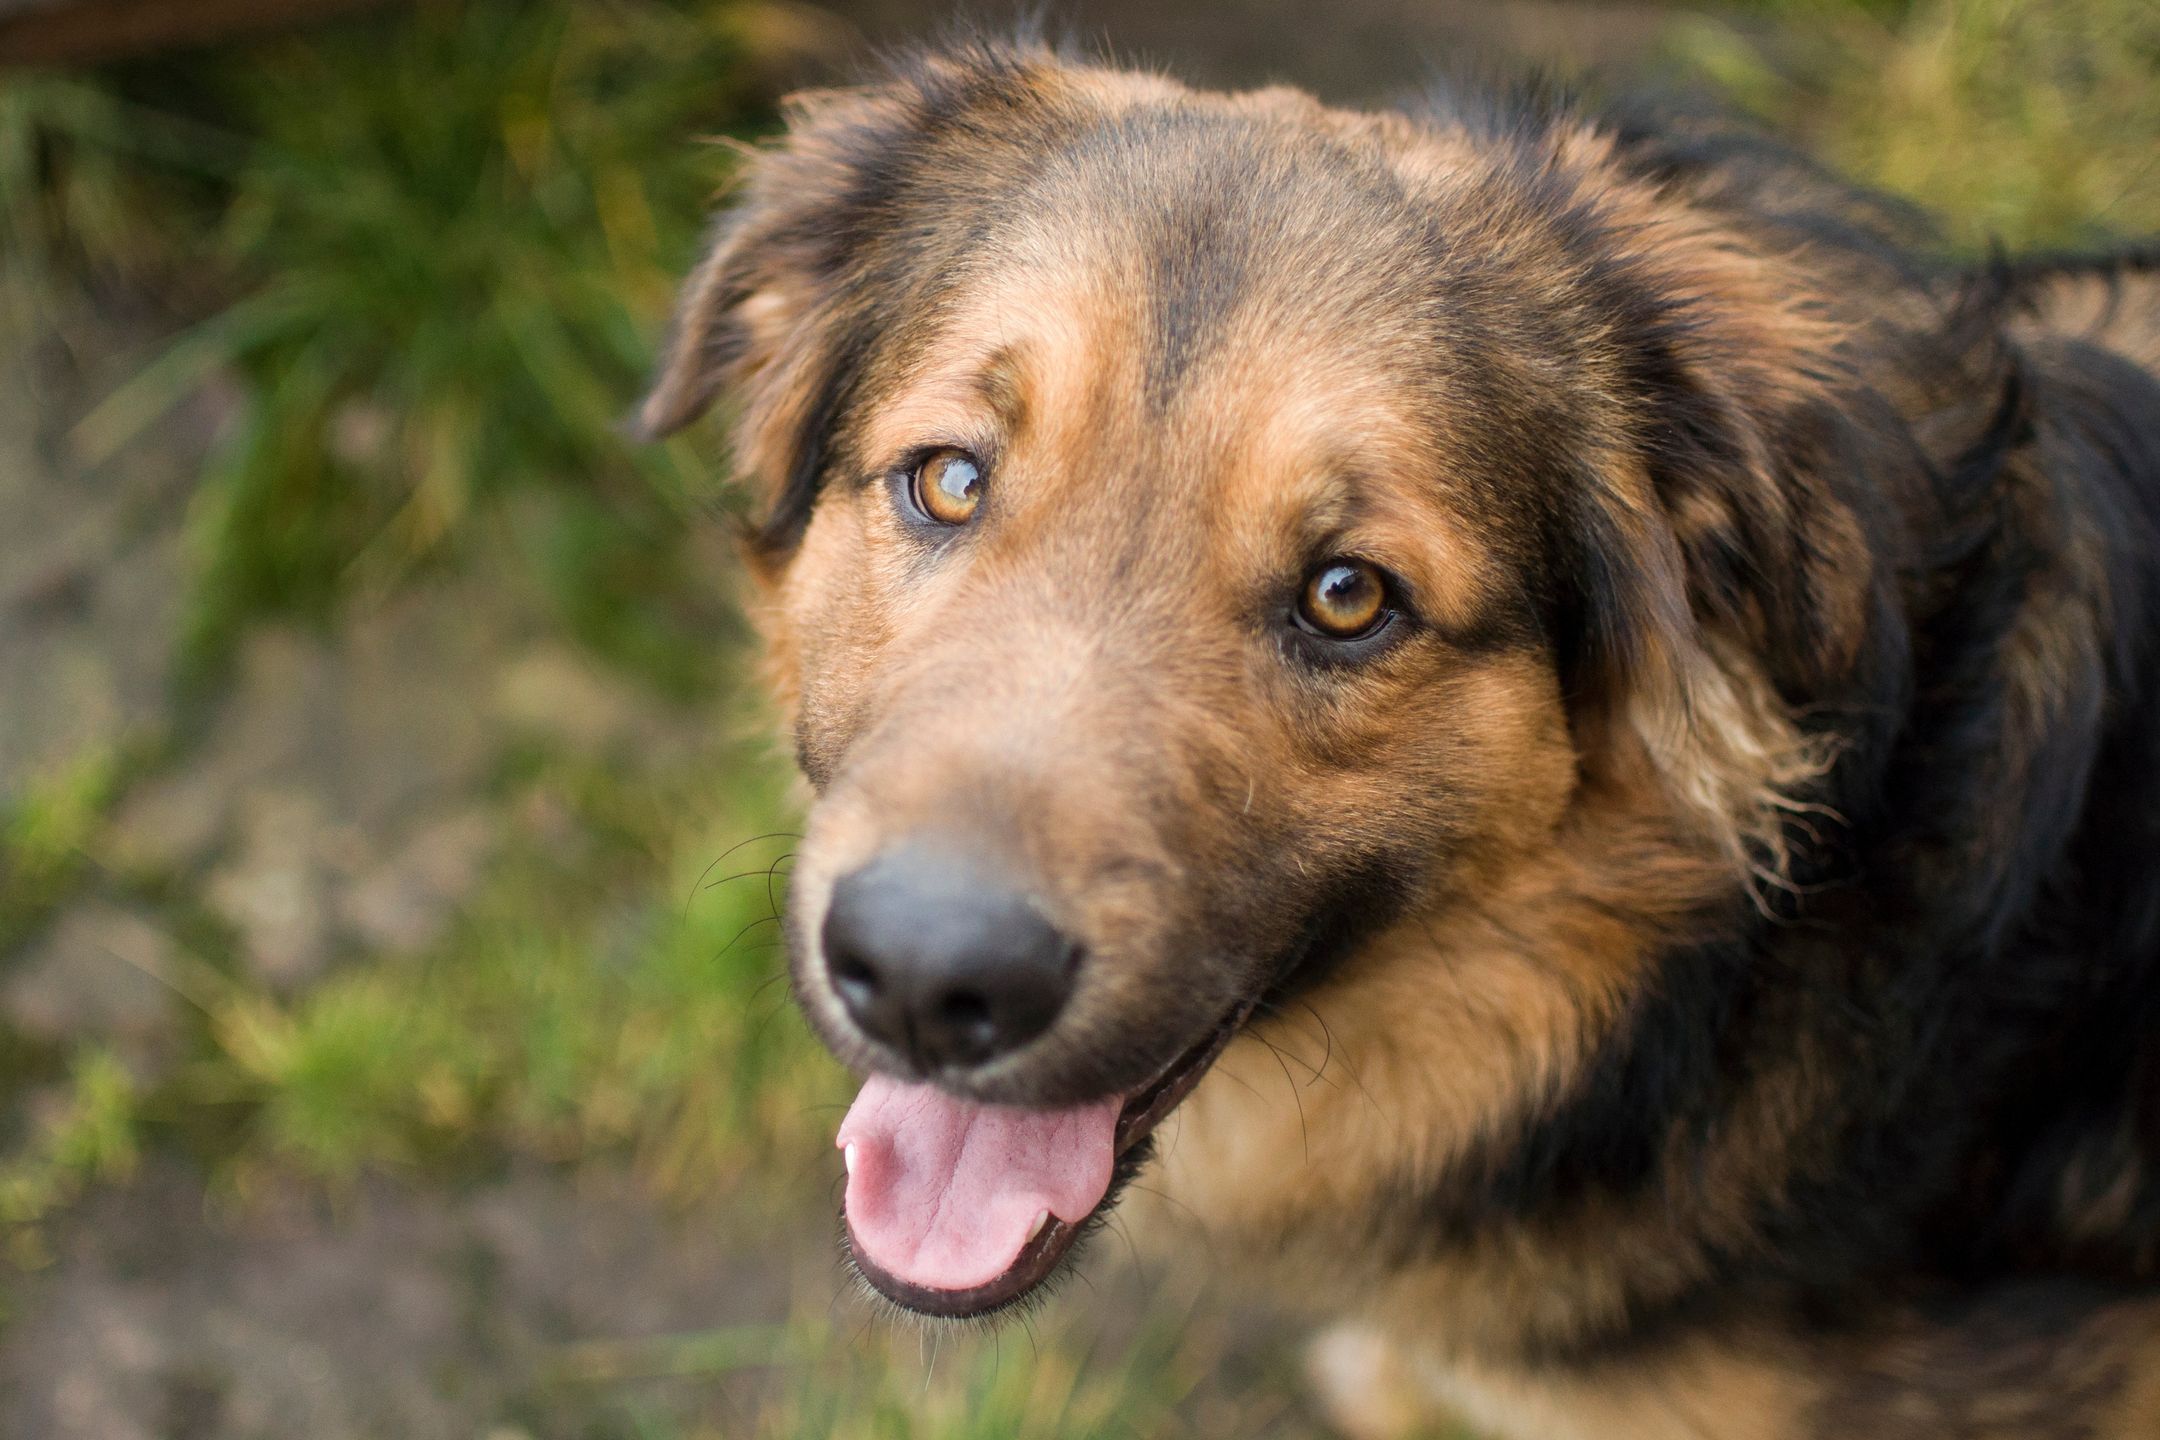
{"type": "Point", "coordinates": [1575, 635]}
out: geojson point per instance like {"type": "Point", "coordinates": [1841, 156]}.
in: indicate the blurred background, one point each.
{"type": "Point", "coordinates": [391, 1037]}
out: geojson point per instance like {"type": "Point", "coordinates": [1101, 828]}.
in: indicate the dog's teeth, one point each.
{"type": "Point", "coordinates": [847, 1158]}
{"type": "Point", "coordinates": [1042, 1218]}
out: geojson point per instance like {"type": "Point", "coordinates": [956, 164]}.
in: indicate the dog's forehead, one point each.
{"type": "Point", "coordinates": [1219, 235]}
{"type": "Point", "coordinates": [1213, 288]}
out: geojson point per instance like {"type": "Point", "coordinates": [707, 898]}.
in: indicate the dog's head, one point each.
{"type": "Point", "coordinates": [1196, 531]}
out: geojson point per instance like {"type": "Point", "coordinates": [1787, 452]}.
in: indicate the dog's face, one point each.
{"type": "Point", "coordinates": [1156, 593]}
{"type": "Point", "coordinates": [1196, 527]}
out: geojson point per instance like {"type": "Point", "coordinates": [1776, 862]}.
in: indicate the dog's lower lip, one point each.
{"type": "Point", "coordinates": [1161, 1095]}
{"type": "Point", "coordinates": [1040, 1257]}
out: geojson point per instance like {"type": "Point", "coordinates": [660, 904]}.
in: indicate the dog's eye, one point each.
{"type": "Point", "coordinates": [1343, 600]}
{"type": "Point", "coordinates": [947, 487]}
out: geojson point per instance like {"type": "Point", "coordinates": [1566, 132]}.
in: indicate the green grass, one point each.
{"type": "Point", "coordinates": [1063, 1376]}
{"type": "Point", "coordinates": [86, 1127]}
{"type": "Point", "coordinates": [47, 824]}
{"type": "Point", "coordinates": [2029, 122]}
{"type": "Point", "coordinates": [447, 236]}
{"type": "Point", "coordinates": [614, 1001]}
{"type": "Point", "coordinates": [91, 1133]}
{"type": "Point", "coordinates": [90, 192]}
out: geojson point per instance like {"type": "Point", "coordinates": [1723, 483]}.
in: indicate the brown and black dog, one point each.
{"type": "Point", "coordinates": [1637, 681]}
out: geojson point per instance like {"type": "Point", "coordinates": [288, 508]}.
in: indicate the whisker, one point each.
{"type": "Point", "coordinates": [1165, 1197]}
{"type": "Point", "coordinates": [716, 861]}
{"type": "Point", "coordinates": [761, 920]}
{"type": "Point", "coordinates": [1282, 1014]}
{"type": "Point", "coordinates": [1027, 1324]}
{"type": "Point", "coordinates": [771, 903]}
{"type": "Point", "coordinates": [748, 874]}
{"type": "Point", "coordinates": [1304, 1138]}
{"type": "Point", "coordinates": [1321, 1021]}
{"type": "Point", "coordinates": [1349, 1069]}
{"type": "Point", "coordinates": [778, 1009]}
{"type": "Point", "coordinates": [1244, 1082]}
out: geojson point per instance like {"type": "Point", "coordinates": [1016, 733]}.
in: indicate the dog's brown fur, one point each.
{"type": "Point", "coordinates": [1686, 939]}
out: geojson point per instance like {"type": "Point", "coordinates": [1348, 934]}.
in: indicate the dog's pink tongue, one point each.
{"type": "Point", "coordinates": [944, 1193]}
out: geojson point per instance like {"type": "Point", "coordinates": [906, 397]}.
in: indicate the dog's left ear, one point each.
{"type": "Point", "coordinates": [1725, 587]}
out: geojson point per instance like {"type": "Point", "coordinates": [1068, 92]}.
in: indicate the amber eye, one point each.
{"type": "Point", "coordinates": [948, 487]}
{"type": "Point", "coordinates": [1343, 600]}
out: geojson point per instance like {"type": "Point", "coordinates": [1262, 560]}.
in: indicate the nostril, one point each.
{"type": "Point", "coordinates": [854, 979]}
{"type": "Point", "coordinates": [966, 1015]}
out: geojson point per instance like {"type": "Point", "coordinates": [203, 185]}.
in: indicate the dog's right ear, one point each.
{"type": "Point", "coordinates": [771, 315]}
{"type": "Point", "coordinates": [809, 257]}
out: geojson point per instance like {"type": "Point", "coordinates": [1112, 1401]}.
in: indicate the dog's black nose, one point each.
{"type": "Point", "coordinates": [941, 962]}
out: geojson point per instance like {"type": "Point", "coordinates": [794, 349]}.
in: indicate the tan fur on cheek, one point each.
{"type": "Point", "coordinates": [841, 598]}
{"type": "Point", "coordinates": [1448, 1021]}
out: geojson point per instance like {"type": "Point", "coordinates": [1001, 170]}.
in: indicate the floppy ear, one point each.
{"type": "Point", "coordinates": [1686, 689]}
{"type": "Point", "coordinates": [1725, 584]}
{"type": "Point", "coordinates": [769, 316]}
{"type": "Point", "coordinates": [817, 253]}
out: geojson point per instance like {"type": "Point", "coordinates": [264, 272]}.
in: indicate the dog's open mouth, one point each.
{"type": "Point", "coordinates": [956, 1208]}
